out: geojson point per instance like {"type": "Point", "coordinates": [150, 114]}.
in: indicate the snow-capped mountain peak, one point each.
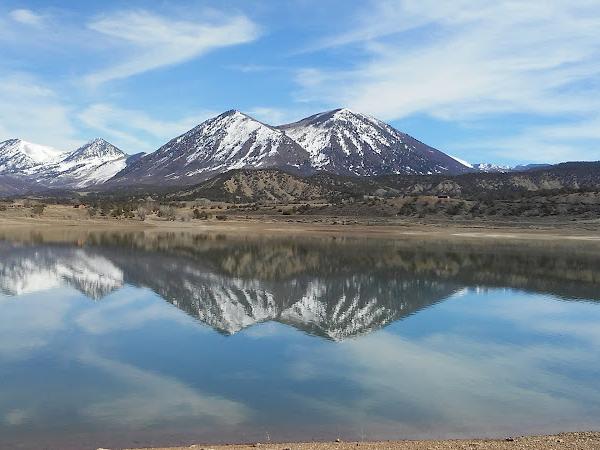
{"type": "Point", "coordinates": [350, 143]}
{"type": "Point", "coordinates": [231, 140]}
{"type": "Point", "coordinates": [492, 168]}
{"type": "Point", "coordinates": [93, 163]}
{"type": "Point", "coordinates": [95, 149]}
{"type": "Point", "coordinates": [17, 155]}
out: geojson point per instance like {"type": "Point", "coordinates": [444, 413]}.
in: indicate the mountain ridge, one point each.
{"type": "Point", "coordinates": [44, 167]}
{"type": "Point", "coordinates": [345, 142]}
{"type": "Point", "coordinates": [228, 141]}
{"type": "Point", "coordinates": [339, 141]}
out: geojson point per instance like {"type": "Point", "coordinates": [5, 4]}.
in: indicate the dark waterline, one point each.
{"type": "Point", "coordinates": [140, 339]}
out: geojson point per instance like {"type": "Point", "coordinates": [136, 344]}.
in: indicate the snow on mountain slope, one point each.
{"type": "Point", "coordinates": [17, 155]}
{"type": "Point", "coordinates": [41, 166]}
{"type": "Point", "coordinates": [229, 141]}
{"type": "Point", "coordinates": [492, 168]}
{"type": "Point", "coordinates": [93, 163]}
{"type": "Point", "coordinates": [462, 161]}
{"type": "Point", "coordinates": [348, 143]}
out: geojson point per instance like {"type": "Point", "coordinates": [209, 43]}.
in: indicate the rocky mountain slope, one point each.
{"type": "Point", "coordinates": [344, 142]}
{"type": "Point", "coordinates": [256, 185]}
{"type": "Point", "coordinates": [229, 141]}
{"type": "Point", "coordinates": [273, 185]}
{"type": "Point", "coordinates": [14, 185]}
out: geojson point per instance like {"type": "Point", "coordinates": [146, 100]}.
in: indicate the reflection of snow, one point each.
{"type": "Point", "coordinates": [336, 308]}
{"type": "Point", "coordinates": [38, 269]}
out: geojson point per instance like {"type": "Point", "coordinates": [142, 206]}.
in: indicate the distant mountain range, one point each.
{"type": "Point", "coordinates": [340, 142]}
{"type": "Point", "coordinates": [495, 168]}
{"type": "Point", "coordinates": [94, 163]}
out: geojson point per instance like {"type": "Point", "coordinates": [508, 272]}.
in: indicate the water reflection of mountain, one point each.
{"type": "Point", "coordinates": [328, 287]}
{"type": "Point", "coordinates": [25, 269]}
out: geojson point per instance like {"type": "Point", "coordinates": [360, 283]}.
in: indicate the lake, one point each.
{"type": "Point", "coordinates": [132, 339]}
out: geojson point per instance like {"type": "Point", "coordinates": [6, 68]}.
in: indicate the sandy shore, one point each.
{"type": "Point", "coordinates": [66, 217]}
{"type": "Point", "coordinates": [267, 227]}
{"type": "Point", "coordinates": [575, 441]}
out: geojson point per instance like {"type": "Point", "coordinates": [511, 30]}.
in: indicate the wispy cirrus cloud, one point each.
{"type": "Point", "coordinates": [470, 61]}
{"type": "Point", "coordinates": [152, 41]}
{"type": "Point", "coordinates": [483, 58]}
{"type": "Point", "coordinates": [26, 17]}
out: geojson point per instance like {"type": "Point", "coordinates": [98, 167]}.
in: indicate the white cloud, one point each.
{"type": "Point", "coordinates": [469, 61]}
{"type": "Point", "coordinates": [483, 58]}
{"type": "Point", "coordinates": [134, 131]}
{"type": "Point", "coordinates": [26, 17]}
{"type": "Point", "coordinates": [30, 110]}
{"type": "Point", "coordinates": [153, 41]}
{"type": "Point", "coordinates": [575, 140]}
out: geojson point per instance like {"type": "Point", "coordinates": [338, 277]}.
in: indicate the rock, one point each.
{"type": "Point", "coordinates": [509, 439]}
{"type": "Point", "coordinates": [338, 440]}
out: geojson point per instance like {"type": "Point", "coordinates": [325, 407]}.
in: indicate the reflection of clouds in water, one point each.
{"type": "Point", "coordinates": [152, 398]}
{"type": "Point", "coordinates": [29, 322]}
{"type": "Point", "coordinates": [136, 396]}
{"type": "Point", "coordinates": [459, 381]}
{"type": "Point", "coordinates": [16, 417]}
{"type": "Point", "coordinates": [128, 309]}
{"type": "Point", "coordinates": [549, 316]}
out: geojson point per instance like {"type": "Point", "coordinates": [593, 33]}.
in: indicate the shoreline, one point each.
{"type": "Point", "coordinates": [267, 226]}
{"type": "Point", "coordinates": [589, 440]}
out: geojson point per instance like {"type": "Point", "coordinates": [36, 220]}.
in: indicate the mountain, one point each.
{"type": "Point", "coordinates": [12, 185]}
{"type": "Point", "coordinates": [244, 185]}
{"type": "Point", "coordinates": [527, 167]}
{"type": "Point", "coordinates": [496, 168]}
{"type": "Point", "coordinates": [229, 141]}
{"type": "Point", "coordinates": [492, 168]}
{"type": "Point", "coordinates": [348, 143]}
{"type": "Point", "coordinates": [92, 164]}
{"type": "Point", "coordinates": [18, 156]}
{"type": "Point", "coordinates": [247, 186]}
{"type": "Point", "coordinates": [40, 167]}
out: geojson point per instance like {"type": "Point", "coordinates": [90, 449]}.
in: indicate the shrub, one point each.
{"type": "Point", "coordinates": [141, 212]}
{"type": "Point", "coordinates": [38, 210]}
{"type": "Point", "coordinates": [168, 212]}
{"type": "Point", "coordinates": [199, 215]}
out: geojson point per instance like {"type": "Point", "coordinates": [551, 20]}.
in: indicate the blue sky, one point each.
{"type": "Point", "coordinates": [505, 81]}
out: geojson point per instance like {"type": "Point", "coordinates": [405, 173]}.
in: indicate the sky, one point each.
{"type": "Point", "coordinates": [505, 82]}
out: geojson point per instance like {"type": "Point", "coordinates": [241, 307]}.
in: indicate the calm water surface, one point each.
{"type": "Point", "coordinates": [148, 339]}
